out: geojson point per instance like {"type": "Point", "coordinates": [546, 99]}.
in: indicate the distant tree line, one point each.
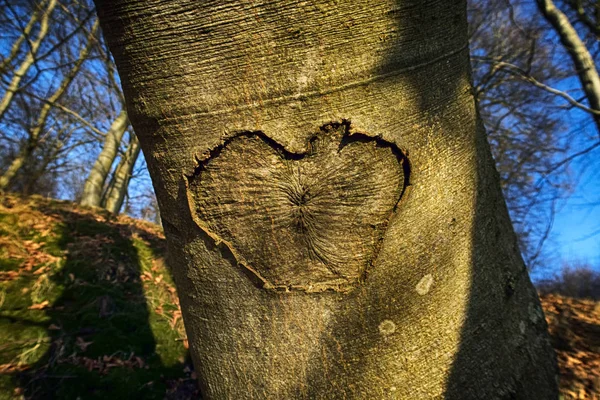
{"type": "Point", "coordinates": [64, 130]}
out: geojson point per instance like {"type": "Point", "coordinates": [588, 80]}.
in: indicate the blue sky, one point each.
{"type": "Point", "coordinates": [576, 228]}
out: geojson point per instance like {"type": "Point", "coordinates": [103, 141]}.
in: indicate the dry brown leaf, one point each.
{"type": "Point", "coordinates": [40, 271]}
{"type": "Point", "coordinates": [176, 317]}
{"type": "Point", "coordinates": [40, 306]}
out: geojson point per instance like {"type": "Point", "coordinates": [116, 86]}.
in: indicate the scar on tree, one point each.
{"type": "Point", "coordinates": [311, 221]}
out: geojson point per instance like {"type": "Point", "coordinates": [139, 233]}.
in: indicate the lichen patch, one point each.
{"type": "Point", "coordinates": [424, 285]}
{"type": "Point", "coordinates": [387, 327]}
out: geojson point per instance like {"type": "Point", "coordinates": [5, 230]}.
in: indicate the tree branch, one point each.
{"type": "Point", "coordinates": [584, 63]}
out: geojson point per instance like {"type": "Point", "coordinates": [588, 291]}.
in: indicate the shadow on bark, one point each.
{"type": "Point", "coordinates": [503, 350]}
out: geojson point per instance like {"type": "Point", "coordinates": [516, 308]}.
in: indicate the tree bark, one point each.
{"type": "Point", "coordinates": [94, 184]}
{"type": "Point", "coordinates": [118, 188]}
{"type": "Point", "coordinates": [335, 223]}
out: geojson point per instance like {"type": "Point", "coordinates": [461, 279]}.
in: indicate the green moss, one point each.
{"type": "Point", "coordinates": [6, 222]}
{"type": "Point", "coordinates": [91, 304]}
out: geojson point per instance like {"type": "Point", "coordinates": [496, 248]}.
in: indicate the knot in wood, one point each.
{"type": "Point", "coordinates": [299, 196]}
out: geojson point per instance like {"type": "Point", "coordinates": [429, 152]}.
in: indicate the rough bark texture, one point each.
{"type": "Point", "coordinates": [446, 308]}
{"type": "Point", "coordinates": [94, 184]}
{"type": "Point", "coordinates": [310, 221]}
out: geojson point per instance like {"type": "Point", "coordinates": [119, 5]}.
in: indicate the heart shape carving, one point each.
{"type": "Point", "coordinates": [311, 221]}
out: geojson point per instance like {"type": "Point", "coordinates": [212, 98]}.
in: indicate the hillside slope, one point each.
{"type": "Point", "coordinates": [88, 310]}
{"type": "Point", "coordinates": [87, 307]}
{"type": "Point", "coordinates": [574, 326]}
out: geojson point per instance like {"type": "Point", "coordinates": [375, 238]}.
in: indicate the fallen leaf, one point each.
{"type": "Point", "coordinates": [40, 270]}
{"type": "Point", "coordinates": [39, 306]}
{"type": "Point", "coordinates": [176, 316]}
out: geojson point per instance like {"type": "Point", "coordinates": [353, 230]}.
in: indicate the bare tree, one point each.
{"type": "Point", "coordinates": [518, 67]}
{"type": "Point", "coordinates": [28, 61]}
{"type": "Point", "coordinates": [117, 189]}
{"type": "Point", "coordinates": [584, 64]}
{"type": "Point", "coordinates": [37, 130]}
{"type": "Point", "coordinates": [25, 33]}
{"type": "Point", "coordinates": [94, 184]}
{"type": "Point", "coordinates": [70, 122]}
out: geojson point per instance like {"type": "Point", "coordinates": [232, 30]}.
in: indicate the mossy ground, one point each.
{"type": "Point", "coordinates": [87, 306]}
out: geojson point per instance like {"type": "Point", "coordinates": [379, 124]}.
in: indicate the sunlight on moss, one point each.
{"type": "Point", "coordinates": [37, 350]}
{"type": "Point", "coordinates": [163, 317]}
{"type": "Point", "coordinates": [88, 296]}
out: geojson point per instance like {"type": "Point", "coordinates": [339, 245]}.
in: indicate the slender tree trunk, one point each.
{"type": "Point", "coordinates": [38, 127]}
{"type": "Point", "coordinates": [122, 176]}
{"type": "Point", "coordinates": [29, 60]}
{"type": "Point", "coordinates": [584, 63]}
{"type": "Point", "coordinates": [16, 46]}
{"type": "Point", "coordinates": [94, 184]}
{"type": "Point", "coordinates": [335, 223]}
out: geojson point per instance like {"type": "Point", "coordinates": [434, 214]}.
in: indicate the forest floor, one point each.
{"type": "Point", "coordinates": [88, 310]}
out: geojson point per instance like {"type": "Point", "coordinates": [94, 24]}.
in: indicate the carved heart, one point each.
{"type": "Point", "coordinates": [309, 221]}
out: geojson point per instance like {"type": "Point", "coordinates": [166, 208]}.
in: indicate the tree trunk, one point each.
{"type": "Point", "coordinates": [118, 188]}
{"type": "Point", "coordinates": [335, 223]}
{"type": "Point", "coordinates": [94, 184]}
{"type": "Point", "coordinates": [582, 59]}
{"type": "Point", "coordinates": [29, 60]}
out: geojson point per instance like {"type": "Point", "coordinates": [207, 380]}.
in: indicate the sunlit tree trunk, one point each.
{"type": "Point", "coordinates": [27, 62]}
{"type": "Point", "coordinates": [94, 184]}
{"type": "Point", "coordinates": [26, 32]}
{"type": "Point", "coordinates": [335, 223]}
{"type": "Point", "coordinates": [37, 129]}
{"type": "Point", "coordinates": [122, 176]}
